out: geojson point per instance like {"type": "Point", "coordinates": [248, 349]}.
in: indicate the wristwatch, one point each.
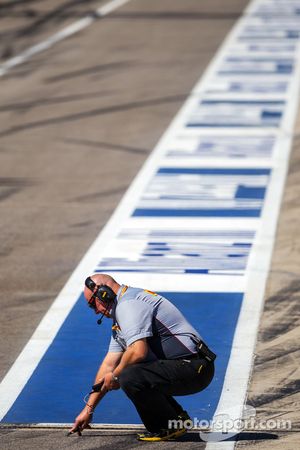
{"type": "Point", "coordinates": [115, 378]}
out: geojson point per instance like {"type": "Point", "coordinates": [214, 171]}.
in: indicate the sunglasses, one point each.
{"type": "Point", "coordinates": [91, 285]}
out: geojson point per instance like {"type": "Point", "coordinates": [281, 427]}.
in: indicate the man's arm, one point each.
{"type": "Point", "coordinates": [136, 352]}
{"type": "Point", "coordinates": [108, 365]}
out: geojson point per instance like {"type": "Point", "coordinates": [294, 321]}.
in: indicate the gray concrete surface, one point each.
{"type": "Point", "coordinates": [76, 124]}
{"type": "Point", "coordinates": [26, 22]}
{"type": "Point", "coordinates": [91, 440]}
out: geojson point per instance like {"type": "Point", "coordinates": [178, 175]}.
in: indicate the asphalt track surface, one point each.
{"type": "Point", "coordinates": [77, 123]}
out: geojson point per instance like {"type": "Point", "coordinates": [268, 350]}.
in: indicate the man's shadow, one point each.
{"type": "Point", "coordinates": [194, 436]}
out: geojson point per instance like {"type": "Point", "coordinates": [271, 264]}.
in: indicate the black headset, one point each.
{"type": "Point", "coordinates": [103, 292]}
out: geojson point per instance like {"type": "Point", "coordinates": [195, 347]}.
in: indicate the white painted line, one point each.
{"type": "Point", "coordinates": [95, 426]}
{"type": "Point", "coordinates": [60, 35]}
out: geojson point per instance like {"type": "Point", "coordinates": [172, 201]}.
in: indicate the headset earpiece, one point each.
{"type": "Point", "coordinates": [103, 292]}
{"type": "Point", "coordinates": [106, 294]}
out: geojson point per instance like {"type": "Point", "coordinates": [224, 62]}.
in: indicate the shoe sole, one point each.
{"type": "Point", "coordinates": [171, 436]}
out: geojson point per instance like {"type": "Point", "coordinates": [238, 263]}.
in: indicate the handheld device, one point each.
{"type": "Point", "coordinates": [97, 387]}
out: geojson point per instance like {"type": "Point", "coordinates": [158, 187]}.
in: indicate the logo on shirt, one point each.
{"type": "Point", "coordinates": [150, 292]}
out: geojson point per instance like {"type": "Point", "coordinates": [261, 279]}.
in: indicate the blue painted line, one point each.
{"type": "Point", "coordinates": [249, 72]}
{"type": "Point", "coordinates": [54, 392]}
{"type": "Point", "coordinates": [203, 271]}
{"type": "Point", "coordinates": [293, 34]}
{"type": "Point", "coordinates": [271, 114]}
{"type": "Point", "coordinates": [213, 171]}
{"type": "Point", "coordinates": [153, 212]}
{"type": "Point", "coordinates": [233, 125]}
{"type": "Point", "coordinates": [250, 192]}
{"type": "Point", "coordinates": [250, 37]}
{"type": "Point", "coordinates": [286, 61]}
{"type": "Point", "coordinates": [153, 270]}
{"type": "Point", "coordinates": [242, 102]}
{"type": "Point", "coordinates": [254, 72]}
{"type": "Point", "coordinates": [242, 244]}
{"type": "Point", "coordinates": [285, 68]}
{"type": "Point", "coordinates": [274, 48]}
{"type": "Point", "coordinates": [240, 87]}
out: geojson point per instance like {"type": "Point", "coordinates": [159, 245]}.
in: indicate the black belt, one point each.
{"type": "Point", "coordinates": [205, 352]}
{"type": "Point", "coordinates": [191, 356]}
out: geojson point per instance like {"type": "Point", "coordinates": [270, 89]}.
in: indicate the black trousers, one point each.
{"type": "Point", "coordinates": [151, 385]}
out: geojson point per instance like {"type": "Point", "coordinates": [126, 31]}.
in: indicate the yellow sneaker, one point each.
{"type": "Point", "coordinates": [162, 435]}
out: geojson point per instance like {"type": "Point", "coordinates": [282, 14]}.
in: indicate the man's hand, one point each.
{"type": "Point", "coordinates": [109, 363]}
{"type": "Point", "coordinates": [109, 383]}
{"type": "Point", "coordinates": [82, 421]}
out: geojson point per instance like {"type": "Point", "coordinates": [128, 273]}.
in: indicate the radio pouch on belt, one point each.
{"type": "Point", "coordinates": [206, 352]}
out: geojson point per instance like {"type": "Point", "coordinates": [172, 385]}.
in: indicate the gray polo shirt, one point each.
{"type": "Point", "coordinates": [141, 314]}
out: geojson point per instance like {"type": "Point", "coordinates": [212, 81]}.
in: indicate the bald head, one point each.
{"type": "Point", "coordinates": [101, 279]}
